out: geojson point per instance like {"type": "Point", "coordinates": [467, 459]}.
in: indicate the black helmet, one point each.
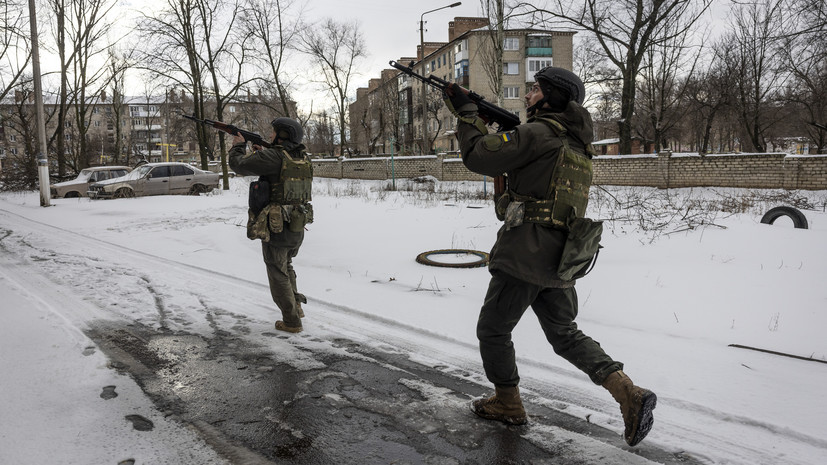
{"type": "Point", "coordinates": [564, 80]}
{"type": "Point", "coordinates": [288, 129]}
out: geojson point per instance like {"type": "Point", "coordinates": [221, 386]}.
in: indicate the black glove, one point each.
{"type": "Point", "coordinates": [455, 98]}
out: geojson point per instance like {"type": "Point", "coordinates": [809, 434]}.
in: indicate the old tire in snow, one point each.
{"type": "Point", "coordinates": [799, 220]}
{"type": "Point", "coordinates": [482, 258]}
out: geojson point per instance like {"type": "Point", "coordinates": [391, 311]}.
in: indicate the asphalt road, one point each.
{"type": "Point", "coordinates": [353, 404]}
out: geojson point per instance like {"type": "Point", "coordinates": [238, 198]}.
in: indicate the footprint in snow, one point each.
{"type": "Point", "coordinates": [109, 393]}
{"type": "Point", "coordinates": [140, 423]}
{"type": "Point", "coordinates": [88, 351]}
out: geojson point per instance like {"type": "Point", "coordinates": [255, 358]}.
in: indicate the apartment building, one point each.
{"type": "Point", "coordinates": [467, 59]}
{"type": "Point", "coordinates": [148, 127]}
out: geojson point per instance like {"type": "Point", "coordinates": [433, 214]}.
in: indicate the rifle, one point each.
{"type": "Point", "coordinates": [233, 130]}
{"type": "Point", "coordinates": [488, 112]}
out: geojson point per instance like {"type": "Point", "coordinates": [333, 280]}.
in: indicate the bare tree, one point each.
{"type": "Point", "coordinates": [709, 92]}
{"type": "Point", "coordinates": [492, 56]}
{"type": "Point", "coordinates": [757, 75]}
{"type": "Point", "coordinates": [15, 52]}
{"type": "Point", "coordinates": [337, 48]}
{"type": "Point", "coordinates": [273, 26]}
{"type": "Point", "coordinates": [20, 167]}
{"type": "Point", "coordinates": [625, 29]}
{"type": "Point", "coordinates": [805, 56]}
{"type": "Point", "coordinates": [320, 134]}
{"type": "Point", "coordinates": [667, 68]}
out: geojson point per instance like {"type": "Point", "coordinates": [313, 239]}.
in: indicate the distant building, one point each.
{"type": "Point", "coordinates": [147, 127]}
{"type": "Point", "coordinates": [466, 59]}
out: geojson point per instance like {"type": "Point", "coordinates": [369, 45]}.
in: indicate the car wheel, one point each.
{"type": "Point", "coordinates": [198, 189]}
{"type": "Point", "coordinates": [799, 220]}
{"type": "Point", "coordinates": [71, 195]}
{"type": "Point", "coordinates": [124, 193]}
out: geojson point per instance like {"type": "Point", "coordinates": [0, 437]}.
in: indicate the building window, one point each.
{"type": "Point", "coordinates": [511, 68]}
{"type": "Point", "coordinates": [12, 138]}
{"type": "Point", "coordinates": [232, 108]}
{"type": "Point", "coordinates": [511, 92]}
{"type": "Point", "coordinates": [536, 64]}
{"type": "Point", "coordinates": [13, 151]}
{"type": "Point", "coordinates": [461, 69]}
{"type": "Point", "coordinates": [511, 43]}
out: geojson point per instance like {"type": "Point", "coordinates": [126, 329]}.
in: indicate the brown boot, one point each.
{"type": "Point", "coordinates": [636, 405]}
{"type": "Point", "coordinates": [290, 329]}
{"type": "Point", "coordinates": [505, 406]}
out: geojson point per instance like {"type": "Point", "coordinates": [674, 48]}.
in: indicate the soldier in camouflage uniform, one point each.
{"type": "Point", "coordinates": [279, 209]}
{"type": "Point", "coordinates": [525, 260]}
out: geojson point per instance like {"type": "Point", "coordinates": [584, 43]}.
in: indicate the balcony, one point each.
{"type": "Point", "coordinates": [538, 51]}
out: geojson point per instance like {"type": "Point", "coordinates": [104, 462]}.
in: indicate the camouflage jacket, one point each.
{"type": "Point", "coordinates": [527, 154]}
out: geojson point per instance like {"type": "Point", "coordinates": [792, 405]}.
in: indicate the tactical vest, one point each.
{"type": "Point", "coordinates": [288, 202]}
{"type": "Point", "coordinates": [295, 183]}
{"type": "Point", "coordinates": [568, 192]}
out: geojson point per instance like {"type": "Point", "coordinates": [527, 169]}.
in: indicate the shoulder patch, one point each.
{"type": "Point", "coordinates": [494, 142]}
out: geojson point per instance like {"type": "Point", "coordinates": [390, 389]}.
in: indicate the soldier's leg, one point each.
{"type": "Point", "coordinates": [298, 297]}
{"type": "Point", "coordinates": [556, 309]}
{"type": "Point", "coordinates": [506, 301]}
{"type": "Point", "coordinates": [281, 288]}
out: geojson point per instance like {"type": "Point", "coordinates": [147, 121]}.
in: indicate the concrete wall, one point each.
{"type": "Point", "coordinates": [664, 170]}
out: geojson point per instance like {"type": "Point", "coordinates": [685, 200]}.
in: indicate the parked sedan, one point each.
{"type": "Point", "coordinates": [78, 186]}
{"type": "Point", "coordinates": [156, 179]}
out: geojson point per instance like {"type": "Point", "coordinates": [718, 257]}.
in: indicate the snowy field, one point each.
{"type": "Point", "coordinates": [684, 274]}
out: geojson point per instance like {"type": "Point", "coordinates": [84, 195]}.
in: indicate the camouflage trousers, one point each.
{"type": "Point", "coordinates": [282, 278]}
{"type": "Point", "coordinates": [506, 301]}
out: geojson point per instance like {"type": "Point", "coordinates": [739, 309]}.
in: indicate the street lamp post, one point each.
{"type": "Point", "coordinates": [426, 146]}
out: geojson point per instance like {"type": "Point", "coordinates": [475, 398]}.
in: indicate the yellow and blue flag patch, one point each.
{"type": "Point", "coordinates": [507, 137]}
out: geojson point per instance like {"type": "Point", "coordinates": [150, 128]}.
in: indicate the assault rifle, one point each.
{"type": "Point", "coordinates": [248, 136]}
{"type": "Point", "coordinates": [488, 112]}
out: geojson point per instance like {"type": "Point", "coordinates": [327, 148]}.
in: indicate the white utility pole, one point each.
{"type": "Point", "coordinates": [42, 156]}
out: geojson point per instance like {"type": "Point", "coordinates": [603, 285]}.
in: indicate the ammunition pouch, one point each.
{"type": "Point", "coordinates": [264, 223]}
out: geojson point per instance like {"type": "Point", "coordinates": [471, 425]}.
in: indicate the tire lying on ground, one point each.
{"type": "Point", "coordinates": [425, 258]}
{"type": "Point", "coordinates": [799, 220]}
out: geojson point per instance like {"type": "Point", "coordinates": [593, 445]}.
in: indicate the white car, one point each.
{"type": "Point", "coordinates": [78, 186]}
{"type": "Point", "coordinates": [157, 179]}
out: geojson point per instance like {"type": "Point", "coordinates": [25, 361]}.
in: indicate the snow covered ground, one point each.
{"type": "Point", "coordinates": [684, 274]}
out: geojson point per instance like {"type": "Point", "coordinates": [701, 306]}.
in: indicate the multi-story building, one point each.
{"type": "Point", "coordinates": [148, 127]}
{"type": "Point", "coordinates": [467, 59]}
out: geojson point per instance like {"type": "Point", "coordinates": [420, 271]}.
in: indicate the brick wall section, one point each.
{"type": "Point", "coordinates": [664, 170]}
{"type": "Point", "coordinates": [328, 168]}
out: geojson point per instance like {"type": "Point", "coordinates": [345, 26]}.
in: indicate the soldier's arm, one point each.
{"type": "Point", "coordinates": [495, 154]}
{"type": "Point", "coordinates": [259, 163]}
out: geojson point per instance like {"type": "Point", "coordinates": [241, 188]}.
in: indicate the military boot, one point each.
{"type": "Point", "coordinates": [505, 406]}
{"type": "Point", "coordinates": [290, 329]}
{"type": "Point", "coordinates": [636, 405]}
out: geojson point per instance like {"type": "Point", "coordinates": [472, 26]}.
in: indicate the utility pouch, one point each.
{"type": "Point", "coordinates": [299, 216]}
{"type": "Point", "coordinates": [581, 248]}
{"type": "Point", "coordinates": [501, 205]}
{"type": "Point", "coordinates": [259, 195]}
{"type": "Point", "coordinates": [268, 221]}
{"type": "Point", "coordinates": [514, 214]}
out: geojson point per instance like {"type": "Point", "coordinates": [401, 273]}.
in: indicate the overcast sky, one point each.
{"type": "Point", "coordinates": [390, 30]}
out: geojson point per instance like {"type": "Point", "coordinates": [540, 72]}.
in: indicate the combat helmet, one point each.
{"type": "Point", "coordinates": [564, 80]}
{"type": "Point", "coordinates": [288, 129]}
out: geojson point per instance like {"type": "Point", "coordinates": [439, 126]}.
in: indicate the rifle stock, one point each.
{"type": "Point", "coordinates": [248, 136]}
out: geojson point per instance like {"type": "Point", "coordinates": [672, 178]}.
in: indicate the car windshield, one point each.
{"type": "Point", "coordinates": [138, 173]}
{"type": "Point", "coordinates": [84, 175]}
